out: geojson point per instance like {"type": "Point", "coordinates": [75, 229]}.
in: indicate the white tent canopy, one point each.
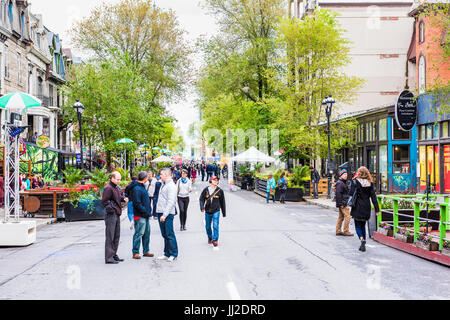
{"type": "Point", "coordinates": [163, 159]}
{"type": "Point", "coordinates": [253, 155]}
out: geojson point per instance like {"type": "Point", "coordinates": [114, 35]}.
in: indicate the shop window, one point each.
{"type": "Point", "coordinates": [399, 134]}
{"type": "Point", "coordinates": [401, 159]}
{"type": "Point", "coordinates": [436, 131]}
{"type": "Point", "coordinates": [423, 132]}
{"type": "Point", "coordinates": [382, 130]}
{"type": "Point", "coordinates": [444, 132]}
{"type": "Point", "coordinates": [429, 131]}
{"type": "Point", "coordinates": [383, 167]}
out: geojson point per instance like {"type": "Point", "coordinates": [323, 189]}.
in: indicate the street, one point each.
{"type": "Point", "coordinates": [274, 251]}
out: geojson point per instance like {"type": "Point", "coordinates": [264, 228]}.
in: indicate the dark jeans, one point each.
{"type": "Point", "coordinates": [203, 175]}
{"type": "Point", "coordinates": [112, 233]}
{"type": "Point", "coordinates": [183, 203]}
{"type": "Point", "coordinates": [141, 232]}
{"type": "Point", "coordinates": [268, 195]}
{"type": "Point", "coordinates": [360, 227]}
{"type": "Point", "coordinates": [170, 241]}
{"type": "Point", "coordinates": [209, 175]}
{"type": "Point", "coordinates": [283, 195]}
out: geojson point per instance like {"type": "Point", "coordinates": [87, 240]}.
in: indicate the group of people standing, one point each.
{"type": "Point", "coordinates": [161, 198]}
{"type": "Point", "coordinates": [273, 186]}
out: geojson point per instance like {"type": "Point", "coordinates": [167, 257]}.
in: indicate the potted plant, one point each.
{"type": "Point", "coordinates": [446, 248]}
{"type": "Point", "coordinates": [404, 235]}
{"type": "Point", "coordinates": [385, 229]}
{"type": "Point", "coordinates": [425, 242]}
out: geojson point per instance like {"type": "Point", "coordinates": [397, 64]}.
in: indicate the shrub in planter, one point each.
{"type": "Point", "coordinates": [85, 205]}
{"type": "Point", "coordinates": [446, 248]}
{"type": "Point", "coordinates": [385, 230]}
{"type": "Point", "coordinates": [404, 235]}
{"type": "Point", "coordinates": [425, 242]}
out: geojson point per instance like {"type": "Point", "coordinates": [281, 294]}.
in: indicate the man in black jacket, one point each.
{"type": "Point", "coordinates": [342, 196]}
{"type": "Point", "coordinates": [142, 213]}
{"type": "Point", "coordinates": [315, 179]}
{"type": "Point", "coordinates": [112, 199]}
{"type": "Point", "coordinates": [212, 200]}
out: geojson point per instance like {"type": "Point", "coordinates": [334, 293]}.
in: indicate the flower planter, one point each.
{"type": "Point", "coordinates": [429, 246]}
{"type": "Point", "coordinates": [446, 251]}
{"type": "Point", "coordinates": [81, 213]}
{"type": "Point", "coordinates": [292, 194]}
{"type": "Point", "coordinates": [404, 238]}
{"type": "Point", "coordinates": [386, 232]}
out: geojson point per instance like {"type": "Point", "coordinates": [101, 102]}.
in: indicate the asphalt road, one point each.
{"type": "Point", "coordinates": [274, 251]}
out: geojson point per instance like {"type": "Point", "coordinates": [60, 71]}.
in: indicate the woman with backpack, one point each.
{"type": "Point", "coordinates": [282, 186]}
{"type": "Point", "coordinates": [362, 192]}
{"type": "Point", "coordinates": [184, 188]}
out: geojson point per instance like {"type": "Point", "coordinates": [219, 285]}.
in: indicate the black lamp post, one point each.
{"type": "Point", "coordinates": [328, 104]}
{"type": "Point", "coordinates": [79, 108]}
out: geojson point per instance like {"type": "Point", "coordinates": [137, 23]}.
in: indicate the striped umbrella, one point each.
{"type": "Point", "coordinates": [19, 100]}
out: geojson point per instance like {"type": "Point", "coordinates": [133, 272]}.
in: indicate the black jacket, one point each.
{"type": "Point", "coordinates": [214, 205]}
{"type": "Point", "coordinates": [315, 177]}
{"type": "Point", "coordinates": [112, 199]}
{"type": "Point", "coordinates": [362, 208]}
{"type": "Point", "coordinates": [342, 193]}
{"type": "Point", "coordinates": [141, 201]}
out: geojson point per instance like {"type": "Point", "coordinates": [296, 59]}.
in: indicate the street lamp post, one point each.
{"type": "Point", "coordinates": [328, 104]}
{"type": "Point", "coordinates": [79, 108]}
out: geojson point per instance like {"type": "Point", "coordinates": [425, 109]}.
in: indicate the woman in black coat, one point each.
{"type": "Point", "coordinates": [363, 184]}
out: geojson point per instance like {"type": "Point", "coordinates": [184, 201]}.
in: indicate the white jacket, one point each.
{"type": "Point", "coordinates": [167, 199]}
{"type": "Point", "coordinates": [151, 189]}
{"type": "Point", "coordinates": [184, 188]}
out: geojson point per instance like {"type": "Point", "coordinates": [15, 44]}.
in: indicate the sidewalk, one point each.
{"type": "Point", "coordinates": [322, 202]}
{"type": "Point", "coordinates": [40, 222]}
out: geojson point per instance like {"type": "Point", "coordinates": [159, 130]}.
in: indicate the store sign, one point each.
{"type": "Point", "coordinates": [78, 158]}
{"type": "Point", "coordinates": [406, 110]}
{"type": "Point", "coordinates": [43, 142]}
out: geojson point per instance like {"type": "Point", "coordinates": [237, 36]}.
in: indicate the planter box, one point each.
{"type": "Point", "coordinates": [81, 214]}
{"type": "Point", "coordinates": [433, 246]}
{"type": "Point", "coordinates": [446, 252]}
{"type": "Point", "coordinates": [292, 194]}
{"type": "Point", "coordinates": [404, 238]}
{"type": "Point", "coordinates": [385, 232]}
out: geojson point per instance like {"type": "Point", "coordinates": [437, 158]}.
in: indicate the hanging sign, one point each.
{"type": "Point", "coordinates": [406, 111]}
{"type": "Point", "coordinates": [43, 142]}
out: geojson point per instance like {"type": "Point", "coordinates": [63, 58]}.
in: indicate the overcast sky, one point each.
{"type": "Point", "coordinates": [59, 15]}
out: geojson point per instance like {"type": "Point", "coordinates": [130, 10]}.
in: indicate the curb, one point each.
{"type": "Point", "coordinates": [40, 225]}
{"type": "Point", "coordinates": [326, 206]}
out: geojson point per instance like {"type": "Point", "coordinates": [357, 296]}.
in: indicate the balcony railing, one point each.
{"type": "Point", "coordinates": [45, 100]}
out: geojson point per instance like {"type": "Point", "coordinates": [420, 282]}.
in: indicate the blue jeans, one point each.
{"type": "Point", "coordinates": [214, 218]}
{"type": "Point", "coordinates": [360, 227]}
{"type": "Point", "coordinates": [268, 195]}
{"type": "Point", "coordinates": [141, 231]}
{"type": "Point", "coordinates": [170, 241]}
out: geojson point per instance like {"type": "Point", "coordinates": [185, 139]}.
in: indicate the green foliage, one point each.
{"type": "Point", "coordinates": [301, 174]}
{"type": "Point", "coordinates": [73, 176]}
{"type": "Point", "coordinates": [99, 178]}
{"type": "Point", "coordinates": [258, 167]}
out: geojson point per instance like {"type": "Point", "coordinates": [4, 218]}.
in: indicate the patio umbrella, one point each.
{"type": "Point", "coordinates": [124, 140]}
{"type": "Point", "coordinates": [156, 148]}
{"type": "Point", "coordinates": [144, 146]}
{"type": "Point", "coordinates": [19, 100]}
{"type": "Point", "coordinates": [162, 159]}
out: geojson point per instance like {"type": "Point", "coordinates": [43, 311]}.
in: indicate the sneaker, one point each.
{"type": "Point", "coordinates": [171, 258]}
{"type": "Point", "coordinates": [209, 241]}
{"type": "Point", "coordinates": [215, 243]}
{"type": "Point", "coordinates": [363, 246]}
{"type": "Point", "coordinates": [162, 258]}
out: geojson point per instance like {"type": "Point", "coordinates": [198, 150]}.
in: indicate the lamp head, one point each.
{"type": "Point", "coordinates": [78, 106]}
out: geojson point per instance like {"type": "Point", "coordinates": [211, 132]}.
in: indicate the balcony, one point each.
{"type": "Point", "coordinates": [45, 100]}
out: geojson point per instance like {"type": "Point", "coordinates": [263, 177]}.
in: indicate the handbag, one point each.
{"type": "Point", "coordinates": [352, 200]}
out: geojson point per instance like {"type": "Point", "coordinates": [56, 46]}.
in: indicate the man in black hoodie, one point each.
{"type": "Point", "coordinates": [212, 200]}
{"type": "Point", "coordinates": [142, 212]}
{"type": "Point", "coordinates": [342, 196]}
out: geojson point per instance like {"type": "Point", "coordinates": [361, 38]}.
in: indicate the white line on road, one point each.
{"type": "Point", "coordinates": [232, 290]}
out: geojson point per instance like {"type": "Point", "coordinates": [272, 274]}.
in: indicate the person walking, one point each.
{"type": "Point", "coordinates": [212, 200]}
{"type": "Point", "coordinates": [271, 187]}
{"type": "Point", "coordinates": [142, 212]}
{"type": "Point", "coordinates": [202, 170]}
{"type": "Point", "coordinates": [315, 179]}
{"type": "Point", "coordinates": [184, 187]}
{"type": "Point", "coordinates": [342, 196]}
{"type": "Point", "coordinates": [209, 170]}
{"type": "Point", "coordinates": [150, 186]}
{"type": "Point", "coordinates": [112, 201]}
{"type": "Point", "coordinates": [165, 211]}
{"type": "Point", "coordinates": [361, 210]}
{"type": "Point", "coordinates": [282, 186]}
{"type": "Point", "coordinates": [194, 174]}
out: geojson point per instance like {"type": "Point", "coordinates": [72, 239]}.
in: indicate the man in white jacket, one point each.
{"type": "Point", "coordinates": [165, 211]}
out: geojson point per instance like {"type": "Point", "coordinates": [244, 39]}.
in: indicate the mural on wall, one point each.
{"type": "Point", "coordinates": [43, 162]}
{"type": "Point", "coordinates": [401, 182]}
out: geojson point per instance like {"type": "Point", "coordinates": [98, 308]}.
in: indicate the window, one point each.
{"type": "Point", "coordinates": [401, 159]}
{"type": "Point", "coordinates": [422, 75]}
{"type": "Point", "coordinates": [436, 131]}
{"type": "Point", "coordinates": [444, 132]}
{"type": "Point", "coordinates": [370, 131]}
{"type": "Point", "coordinates": [22, 23]}
{"type": "Point", "coordinates": [10, 13]}
{"type": "Point", "coordinates": [382, 129]}
{"type": "Point", "coordinates": [6, 62]}
{"type": "Point", "coordinates": [19, 68]}
{"type": "Point", "coordinates": [399, 134]}
{"type": "Point", "coordinates": [38, 40]}
{"type": "Point", "coordinates": [383, 167]}
{"type": "Point", "coordinates": [50, 93]}
{"type": "Point", "coordinates": [423, 132]}
{"type": "Point", "coordinates": [421, 32]}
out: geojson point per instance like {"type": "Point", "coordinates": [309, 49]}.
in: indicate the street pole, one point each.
{"type": "Point", "coordinates": [329, 157]}
{"type": "Point", "coordinates": [81, 141]}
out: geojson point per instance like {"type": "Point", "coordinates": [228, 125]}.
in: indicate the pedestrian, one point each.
{"type": "Point", "coordinates": [361, 210]}
{"type": "Point", "coordinates": [165, 211]}
{"type": "Point", "coordinates": [150, 186]}
{"type": "Point", "coordinates": [155, 195]}
{"type": "Point", "coordinates": [212, 200]}
{"type": "Point", "coordinates": [315, 179]}
{"type": "Point", "coordinates": [209, 171]}
{"type": "Point", "coordinates": [342, 196]}
{"type": "Point", "coordinates": [28, 182]}
{"type": "Point", "coordinates": [142, 212]}
{"type": "Point", "coordinates": [271, 188]}
{"type": "Point", "coordinates": [184, 187]}
{"type": "Point", "coordinates": [34, 137]}
{"type": "Point", "coordinates": [194, 174]}
{"type": "Point", "coordinates": [112, 201]}
{"type": "Point", "coordinates": [282, 186]}
{"type": "Point", "coordinates": [203, 170]}
{"type": "Point", "coordinates": [128, 192]}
